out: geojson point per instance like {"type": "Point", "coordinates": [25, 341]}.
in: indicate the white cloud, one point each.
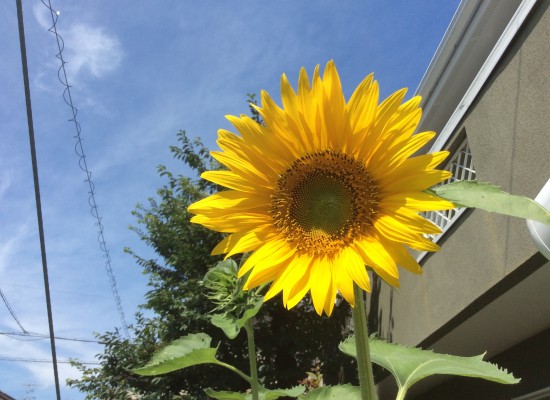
{"type": "Point", "coordinates": [91, 49]}
{"type": "Point", "coordinates": [12, 243]}
{"type": "Point", "coordinates": [87, 49]}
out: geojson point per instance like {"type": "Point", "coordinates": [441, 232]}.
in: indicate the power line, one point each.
{"type": "Point", "coordinates": [37, 191]}
{"type": "Point", "coordinates": [41, 336]}
{"type": "Point", "coordinates": [44, 360]}
{"type": "Point", "coordinates": [79, 149]}
{"type": "Point", "coordinates": [11, 311]}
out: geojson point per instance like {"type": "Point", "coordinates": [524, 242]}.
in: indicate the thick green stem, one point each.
{"type": "Point", "coordinates": [401, 394]}
{"type": "Point", "coordinates": [252, 358]}
{"type": "Point", "coordinates": [364, 365]}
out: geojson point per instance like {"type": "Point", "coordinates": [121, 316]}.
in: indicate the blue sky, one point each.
{"type": "Point", "coordinates": [139, 73]}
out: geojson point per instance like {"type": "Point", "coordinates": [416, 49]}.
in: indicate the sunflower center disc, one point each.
{"type": "Point", "coordinates": [322, 204]}
{"type": "Point", "coordinates": [323, 201]}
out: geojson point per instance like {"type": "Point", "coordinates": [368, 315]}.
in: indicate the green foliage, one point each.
{"type": "Point", "coordinates": [491, 198]}
{"type": "Point", "coordinates": [339, 392]}
{"type": "Point", "coordinates": [226, 291]}
{"type": "Point", "coordinates": [177, 305]}
{"type": "Point", "coordinates": [409, 364]}
{"type": "Point", "coordinates": [265, 394]}
{"type": "Point", "coordinates": [113, 380]}
{"type": "Point", "coordinates": [189, 350]}
{"type": "Point", "coordinates": [230, 324]}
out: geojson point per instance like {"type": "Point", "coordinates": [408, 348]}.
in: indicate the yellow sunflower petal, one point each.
{"type": "Point", "coordinates": [233, 223]}
{"type": "Point", "coordinates": [377, 256]}
{"type": "Point", "coordinates": [399, 151]}
{"type": "Point", "coordinates": [320, 281]}
{"type": "Point", "coordinates": [343, 280]}
{"type": "Point", "coordinates": [296, 283]}
{"type": "Point", "coordinates": [417, 201]}
{"type": "Point", "coordinates": [244, 169]}
{"type": "Point", "coordinates": [416, 181]}
{"type": "Point", "coordinates": [265, 273]}
{"type": "Point", "coordinates": [297, 293]}
{"type": "Point", "coordinates": [273, 252]}
{"type": "Point", "coordinates": [296, 267]}
{"type": "Point", "coordinates": [397, 232]}
{"type": "Point", "coordinates": [411, 220]}
{"type": "Point", "coordinates": [330, 299]}
{"type": "Point", "coordinates": [240, 242]}
{"type": "Point", "coordinates": [405, 259]}
{"type": "Point", "coordinates": [386, 277]}
{"type": "Point", "coordinates": [419, 164]}
{"type": "Point", "coordinates": [231, 180]}
{"type": "Point", "coordinates": [229, 200]}
{"type": "Point", "coordinates": [353, 265]}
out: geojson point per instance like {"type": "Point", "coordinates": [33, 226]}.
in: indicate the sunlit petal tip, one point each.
{"type": "Point", "coordinates": [440, 156]}
{"type": "Point", "coordinates": [303, 80]}
{"type": "Point", "coordinates": [314, 207]}
{"type": "Point", "coordinates": [231, 117]}
{"type": "Point", "coordinates": [286, 87]}
{"type": "Point", "coordinates": [272, 292]}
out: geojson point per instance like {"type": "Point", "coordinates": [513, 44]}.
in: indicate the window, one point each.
{"type": "Point", "coordinates": [462, 167]}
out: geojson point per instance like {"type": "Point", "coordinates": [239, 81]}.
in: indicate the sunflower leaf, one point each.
{"type": "Point", "coordinates": [338, 392]}
{"type": "Point", "coordinates": [264, 394]}
{"type": "Point", "coordinates": [491, 198]}
{"type": "Point", "coordinates": [225, 395]}
{"type": "Point", "coordinates": [231, 325]}
{"type": "Point", "coordinates": [184, 352]}
{"type": "Point", "coordinates": [410, 364]}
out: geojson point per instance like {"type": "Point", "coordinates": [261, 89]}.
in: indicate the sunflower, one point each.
{"type": "Point", "coordinates": [324, 189]}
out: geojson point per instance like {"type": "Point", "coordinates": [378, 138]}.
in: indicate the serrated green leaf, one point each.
{"type": "Point", "coordinates": [409, 364]}
{"type": "Point", "coordinates": [189, 350]}
{"type": "Point", "coordinates": [491, 198]}
{"type": "Point", "coordinates": [338, 392]}
{"type": "Point", "coordinates": [230, 325]}
{"type": "Point", "coordinates": [273, 394]}
{"type": "Point", "coordinates": [264, 394]}
{"type": "Point", "coordinates": [226, 323]}
{"type": "Point", "coordinates": [225, 395]}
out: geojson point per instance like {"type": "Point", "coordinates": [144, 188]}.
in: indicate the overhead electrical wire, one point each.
{"type": "Point", "coordinates": [45, 360]}
{"type": "Point", "coordinates": [37, 191]}
{"type": "Point", "coordinates": [41, 336]}
{"type": "Point", "coordinates": [79, 149]}
{"type": "Point", "coordinates": [6, 302]}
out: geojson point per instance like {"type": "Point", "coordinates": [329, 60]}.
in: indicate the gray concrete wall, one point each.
{"type": "Point", "coordinates": [509, 134]}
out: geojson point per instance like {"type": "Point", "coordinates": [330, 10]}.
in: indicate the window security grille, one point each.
{"type": "Point", "coordinates": [462, 167]}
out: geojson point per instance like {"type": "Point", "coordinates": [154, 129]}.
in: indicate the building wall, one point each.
{"type": "Point", "coordinates": [508, 131]}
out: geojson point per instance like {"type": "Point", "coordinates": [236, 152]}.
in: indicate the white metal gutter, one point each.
{"type": "Point", "coordinates": [498, 50]}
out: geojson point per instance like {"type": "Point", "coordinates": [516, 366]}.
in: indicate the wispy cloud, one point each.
{"type": "Point", "coordinates": [90, 51]}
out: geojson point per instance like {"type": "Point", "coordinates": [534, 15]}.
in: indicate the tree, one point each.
{"type": "Point", "coordinates": [288, 342]}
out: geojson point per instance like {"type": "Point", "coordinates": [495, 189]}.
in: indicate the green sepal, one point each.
{"type": "Point", "coordinates": [409, 364]}
{"type": "Point", "coordinates": [189, 350]}
{"type": "Point", "coordinates": [264, 394]}
{"type": "Point", "coordinates": [337, 392]}
{"type": "Point", "coordinates": [230, 325]}
{"type": "Point", "coordinates": [491, 198]}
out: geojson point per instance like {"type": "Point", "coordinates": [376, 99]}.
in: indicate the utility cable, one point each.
{"type": "Point", "coordinates": [44, 360]}
{"type": "Point", "coordinates": [37, 191]}
{"type": "Point", "coordinates": [4, 298]}
{"type": "Point", "coordinates": [40, 336]}
{"type": "Point", "coordinates": [79, 149]}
